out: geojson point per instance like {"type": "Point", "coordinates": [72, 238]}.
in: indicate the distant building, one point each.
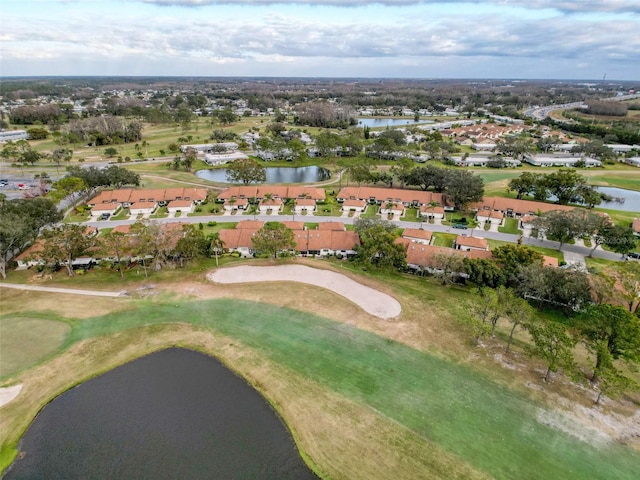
{"type": "Point", "coordinates": [13, 135]}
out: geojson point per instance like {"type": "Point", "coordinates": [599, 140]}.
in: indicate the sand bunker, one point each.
{"type": "Point", "coordinates": [371, 301]}
{"type": "Point", "coordinates": [9, 393]}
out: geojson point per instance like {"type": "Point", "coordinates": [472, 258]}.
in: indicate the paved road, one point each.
{"type": "Point", "coordinates": [577, 249]}
{"type": "Point", "coordinates": [74, 291]}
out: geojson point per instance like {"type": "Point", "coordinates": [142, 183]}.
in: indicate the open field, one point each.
{"type": "Point", "coordinates": [405, 392]}
{"type": "Point", "coordinates": [410, 395]}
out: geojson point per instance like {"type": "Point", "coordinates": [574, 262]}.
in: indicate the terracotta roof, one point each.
{"type": "Point", "coordinates": [354, 203]}
{"type": "Point", "coordinates": [260, 191]}
{"type": "Point", "coordinates": [392, 206]}
{"type": "Point", "coordinates": [474, 242]}
{"type": "Point", "coordinates": [293, 225]}
{"type": "Point", "coordinates": [417, 233]}
{"type": "Point", "coordinates": [429, 209]}
{"type": "Point", "coordinates": [520, 207]}
{"type": "Point", "coordinates": [271, 201]}
{"type": "Point", "coordinates": [305, 202]}
{"type": "Point", "coordinates": [424, 255]}
{"type": "Point", "coordinates": [179, 203]}
{"type": "Point", "coordinates": [491, 214]}
{"type": "Point", "coordinates": [336, 226]}
{"type": "Point", "coordinates": [33, 251]}
{"type": "Point", "coordinates": [315, 240]}
{"type": "Point", "coordinates": [392, 194]}
{"type": "Point", "coordinates": [237, 238]}
{"type": "Point", "coordinates": [250, 224]}
{"type": "Point", "coordinates": [130, 195]}
{"type": "Point", "coordinates": [636, 225]}
{"type": "Point", "coordinates": [106, 207]}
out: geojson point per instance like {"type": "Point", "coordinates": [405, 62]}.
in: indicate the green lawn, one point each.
{"type": "Point", "coordinates": [443, 239]}
{"type": "Point", "coordinates": [550, 252]}
{"type": "Point", "coordinates": [26, 341]}
{"type": "Point", "coordinates": [510, 226]}
{"type": "Point", "coordinates": [484, 423]}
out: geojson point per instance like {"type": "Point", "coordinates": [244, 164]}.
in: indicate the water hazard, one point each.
{"type": "Point", "coordinates": [170, 415]}
{"type": "Point", "coordinates": [274, 174]}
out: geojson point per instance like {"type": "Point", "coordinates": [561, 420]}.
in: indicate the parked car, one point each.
{"type": "Point", "coordinates": [105, 216]}
{"type": "Point", "coordinates": [634, 256]}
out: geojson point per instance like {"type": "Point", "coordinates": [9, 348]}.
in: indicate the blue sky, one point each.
{"type": "Point", "coordinates": [582, 39]}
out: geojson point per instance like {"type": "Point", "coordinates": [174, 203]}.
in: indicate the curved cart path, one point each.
{"type": "Point", "coordinates": [370, 300]}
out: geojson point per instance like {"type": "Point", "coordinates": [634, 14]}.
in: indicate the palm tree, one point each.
{"type": "Point", "coordinates": [215, 244]}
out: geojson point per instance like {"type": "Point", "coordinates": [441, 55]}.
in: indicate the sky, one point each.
{"type": "Point", "coordinates": [514, 39]}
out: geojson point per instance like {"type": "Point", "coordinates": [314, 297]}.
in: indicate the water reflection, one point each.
{"type": "Point", "coordinates": [275, 174]}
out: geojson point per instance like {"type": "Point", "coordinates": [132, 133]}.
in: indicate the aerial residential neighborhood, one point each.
{"type": "Point", "coordinates": [304, 239]}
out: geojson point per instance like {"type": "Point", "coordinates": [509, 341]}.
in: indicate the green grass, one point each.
{"type": "Point", "coordinates": [161, 212]}
{"type": "Point", "coordinates": [510, 226]}
{"type": "Point", "coordinates": [411, 215]}
{"type": "Point", "coordinates": [27, 341]}
{"type": "Point", "coordinates": [492, 427]}
{"type": "Point", "coordinates": [123, 214]}
{"type": "Point", "coordinates": [443, 239]}
{"type": "Point", "coordinates": [370, 212]}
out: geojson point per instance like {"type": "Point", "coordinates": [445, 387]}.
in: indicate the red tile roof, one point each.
{"type": "Point", "coordinates": [391, 194]}
{"type": "Point", "coordinates": [473, 242]}
{"type": "Point", "coordinates": [417, 233]}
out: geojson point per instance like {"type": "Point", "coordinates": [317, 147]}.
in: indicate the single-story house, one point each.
{"type": "Point", "coordinates": [392, 208]}
{"type": "Point", "coordinates": [512, 207]}
{"type": "Point", "coordinates": [553, 161]}
{"type": "Point", "coordinates": [236, 204]}
{"type": "Point", "coordinates": [326, 242]}
{"type": "Point", "coordinates": [273, 204]}
{"type": "Point", "coordinates": [428, 212]}
{"type": "Point", "coordinates": [184, 206]}
{"type": "Point", "coordinates": [357, 206]}
{"type": "Point", "coordinates": [418, 235]}
{"type": "Point", "coordinates": [125, 197]}
{"type": "Point", "coordinates": [305, 205]}
{"type": "Point", "coordinates": [466, 243]}
{"type": "Point", "coordinates": [105, 208]}
{"type": "Point", "coordinates": [143, 208]}
{"type": "Point", "coordinates": [238, 240]}
{"type": "Point", "coordinates": [31, 256]}
{"type": "Point", "coordinates": [635, 226]}
{"type": "Point", "coordinates": [397, 195]}
{"type": "Point", "coordinates": [426, 258]}
{"type": "Point", "coordinates": [494, 217]}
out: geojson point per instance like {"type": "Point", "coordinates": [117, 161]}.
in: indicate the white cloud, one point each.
{"type": "Point", "coordinates": [576, 6]}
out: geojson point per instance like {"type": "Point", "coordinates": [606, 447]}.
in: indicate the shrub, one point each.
{"type": "Point", "coordinates": [212, 224]}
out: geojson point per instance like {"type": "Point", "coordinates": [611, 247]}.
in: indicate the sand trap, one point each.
{"type": "Point", "coordinates": [9, 393]}
{"type": "Point", "coordinates": [371, 301]}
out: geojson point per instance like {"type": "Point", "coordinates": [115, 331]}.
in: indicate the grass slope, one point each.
{"type": "Point", "coordinates": [488, 425]}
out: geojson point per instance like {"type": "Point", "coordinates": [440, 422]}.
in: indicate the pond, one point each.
{"type": "Point", "coordinates": [274, 174]}
{"type": "Point", "coordinates": [172, 414]}
{"type": "Point", "coordinates": [388, 122]}
{"type": "Point", "coordinates": [631, 199]}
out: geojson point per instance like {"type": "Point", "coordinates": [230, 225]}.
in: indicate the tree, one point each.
{"type": "Point", "coordinates": [566, 289]}
{"type": "Point", "coordinates": [226, 116]}
{"type": "Point", "coordinates": [191, 245]}
{"type": "Point", "coordinates": [627, 275]}
{"type": "Point", "coordinates": [15, 232]}
{"type": "Point", "coordinates": [559, 225]}
{"type": "Point", "coordinates": [272, 238]}
{"type": "Point", "coordinates": [111, 152]}
{"type": "Point", "coordinates": [517, 311]}
{"type": "Point", "coordinates": [65, 243]}
{"type": "Point", "coordinates": [512, 257]}
{"type": "Point", "coordinates": [483, 312]}
{"type": "Point", "coordinates": [568, 186]}
{"type": "Point", "coordinates": [216, 245]}
{"type": "Point", "coordinates": [620, 239]}
{"type": "Point", "coordinates": [36, 212]}
{"type": "Point", "coordinates": [426, 177]}
{"type": "Point", "coordinates": [117, 244]}
{"type": "Point", "coordinates": [463, 187]}
{"type": "Point", "coordinates": [447, 266]}
{"type": "Point", "coordinates": [69, 186]}
{"type": "Point", "coordinates": [516, 147]}
{"type": "Point", "coordinates": [609, 331]}
{"type": "Point", "coordinates": [553, 344]}
{"type": "Point", "coordinates": [598, 227]}
{"type": "Point", "coordinates": [484, 272]}
{"type": "Point", "coordinates": [245, 170]}
{"type": "Point", "coordinates": [378, 249]}
{"type": "Point", "coordinates": [525, 184]}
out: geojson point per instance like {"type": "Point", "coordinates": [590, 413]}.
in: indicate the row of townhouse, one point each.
{"type": "Point", "coordinates": [330, 238]}
{"type": "Point", "coordinates": [32, 256]}
{"type": "Point", "coordinates": [146, 201]}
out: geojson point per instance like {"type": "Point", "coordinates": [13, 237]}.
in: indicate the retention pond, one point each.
{"type": "Point", "coordinates": [172, 414]}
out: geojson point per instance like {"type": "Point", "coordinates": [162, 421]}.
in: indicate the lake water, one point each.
{"type": "Point", "coordinates": [631, 199]}
{"type": "Point", "coordinates": [174, 414]}
{"type": "Point", "coordinates": [274, 174]}
{"type": "Point", "coordinates": [388, 122]}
